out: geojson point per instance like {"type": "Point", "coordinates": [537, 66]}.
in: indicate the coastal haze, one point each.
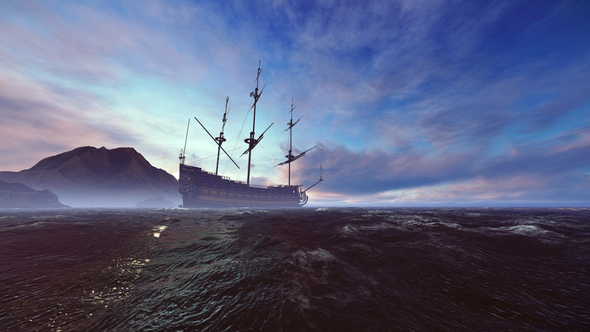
{"type": "Point", "coordinates": [409, 102]}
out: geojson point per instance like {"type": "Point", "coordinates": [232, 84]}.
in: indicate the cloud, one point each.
{"type": "Point", "coordinates": [523, 190]}
{"type": "Point", "coordinates": [38, 122]}
{"type": "Point", "coordinates": [74, 76]}
{"type": "Point", "coordinates": [374, 173]}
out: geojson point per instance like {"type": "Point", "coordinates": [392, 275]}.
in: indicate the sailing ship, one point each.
{"type": "Point", "coordinates": [203, 189]}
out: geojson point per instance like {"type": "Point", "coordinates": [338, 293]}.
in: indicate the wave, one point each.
{"type": "Point", "coordinates": [312, 270]}
{"type": "Point", "coordinates": [528, 230]}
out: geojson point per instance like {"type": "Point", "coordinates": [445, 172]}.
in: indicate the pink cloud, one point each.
{"type": "Point", "coordinates": [37, 123]}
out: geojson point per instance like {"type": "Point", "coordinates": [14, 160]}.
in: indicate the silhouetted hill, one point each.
{"type": "Point", "coordinates": [17, 195]}
{"type": "Point", "coordinates": [87, 176]}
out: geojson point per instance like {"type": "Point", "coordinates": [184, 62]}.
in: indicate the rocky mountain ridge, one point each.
{"type": "Point", "coordinates": [17, 195]}
{"type": "Point", "coordinates": [87, 176]}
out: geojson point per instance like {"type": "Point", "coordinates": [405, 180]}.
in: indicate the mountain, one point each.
{"type": "Point", "coordinates": [17, 195]}
{"type": "Point", "coordinates": [91, 177]}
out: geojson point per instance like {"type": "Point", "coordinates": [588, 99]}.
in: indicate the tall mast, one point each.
{"type": "Point", "coordinates": [218, 140]}
{"type": "Point", "coordinates": [221, 139]}
{"type": "Point", "coordinates": [252, 141]}
{"type": "Point", "coordinates": [290, 156]}
{"type": "Point", "coordinates": [182, 156]}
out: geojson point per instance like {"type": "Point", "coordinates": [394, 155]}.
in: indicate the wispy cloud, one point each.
{"type": "Point", "coordinates": [374, 174]}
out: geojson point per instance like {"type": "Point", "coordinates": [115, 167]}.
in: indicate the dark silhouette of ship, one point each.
{"type": "Point", "coordinates": [202, 189]}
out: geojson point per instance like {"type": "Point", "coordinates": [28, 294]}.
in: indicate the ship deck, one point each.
{"type": "Point", "coordinates": [200, 188]}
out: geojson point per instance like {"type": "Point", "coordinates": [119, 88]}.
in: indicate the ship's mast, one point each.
{"type": "Point", "coordinates": [252, 142]}
{"type": "Point", "coordinates": [182, 156]}
{"type": "Point", "coordinates": [221, 139]}
{"type": "Point", "coordinates": [321, 179]}
{"type": "Point", "coordinates": [218, 140]}
{"type": "Point", "coordinates": [290, 156]}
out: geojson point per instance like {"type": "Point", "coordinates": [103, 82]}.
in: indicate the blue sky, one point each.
{"type": "Point", "coordinates": [409, 102]}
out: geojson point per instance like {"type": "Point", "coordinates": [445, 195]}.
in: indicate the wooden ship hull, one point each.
{"type": "Point", "coordinates": [201, 189]}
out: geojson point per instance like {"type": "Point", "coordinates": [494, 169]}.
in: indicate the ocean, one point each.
{"type": "Point", "coordinates": [310, 269]}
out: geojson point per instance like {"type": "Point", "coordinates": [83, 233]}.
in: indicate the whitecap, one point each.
{"type": "Point", "coordinates": [349, 230]}
{"type": "Point", "coordinates": [306, 258]}
{"type": "Point", "coordinates": [323, 210]}
{"type": "Point", "coordinates": [321, 255]}
{"type": "Point", "coordinates": [241, 213]}
{"type": "Point", "coordinates": [528, 230]}
{"type": "Point", "coordinates": [376, 227]}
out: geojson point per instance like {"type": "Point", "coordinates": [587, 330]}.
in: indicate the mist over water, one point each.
{"type": "Point", "coordinates": [295, 270]}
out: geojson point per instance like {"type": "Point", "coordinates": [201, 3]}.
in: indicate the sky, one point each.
{"type": "Point", "coordinates": [410, 102]}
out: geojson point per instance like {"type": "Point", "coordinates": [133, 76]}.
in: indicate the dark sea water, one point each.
{"type": "Point", "coordinates": [295, 270]}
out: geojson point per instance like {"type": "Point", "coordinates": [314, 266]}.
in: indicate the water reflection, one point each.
{"type": "Point", "coordinates": [158, 230]}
